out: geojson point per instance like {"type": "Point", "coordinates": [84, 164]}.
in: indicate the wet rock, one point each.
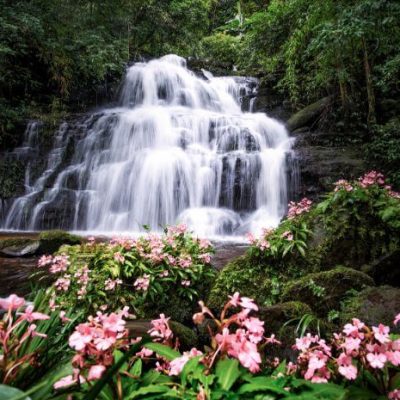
{"type": "Point", "coordinates": [19, 247]}
{"type": "Point", "coordinates": [373, 306]}
{"type": "Point", "coordinates": [321, 166]}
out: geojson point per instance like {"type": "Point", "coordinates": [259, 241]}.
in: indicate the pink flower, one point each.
{"type": "Point", "coordinates": [351, 344]}
{"type": "Point", "coordinates": [161, 330]}
{"type": "Point", "coordinates": [287, 235]}
{"type": "Point", "coordinates": [396, 319]}
{"type": "Point", "coordinates": [248, 303]}
{"type": "Point", "coordinates": [65, 382]}
{"type": "Point", "coordinates": [346, 368]}
{"type": "Point", "coordinates": [145, 353]}
{"type": "Point", "coordinates": [81, 337]}
{"type": "Point", "coordinates": [31, 316]}
{"type": "Point", "coordinates": [176, 366]}
{"type": "Point", "coordinates": [204, 244]}
{"type": "Point", "coordinates": [234, 300]}
{"type": "Point", "coordinates": [44, 261]}
{"type": "Point", "coordinates": [198, 318]}
{"type": "Point", "coordinates": [381, 333]}
{"type": "Point", "coordinates": [96, 372]}
{"type": "Point", "coordinates": [63, 284]}
{"type": "Point", "coordinates": [376, 360]}
{"type": "Point", "coordinates": [63, 318]}
{"type": "Point", "coordinates": [394, 395]}
{"type": "Point", "coordinates": [185, 282]}
{"type": "Point", "coordinates": [142, 283]}
{"type": "Point", "coordinates": [12, 302]}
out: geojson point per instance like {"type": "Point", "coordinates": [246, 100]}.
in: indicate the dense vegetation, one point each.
{"type": "Point", "coordinates": [69, 55]}
{"type": "Point", "coordinates": [325, 326]}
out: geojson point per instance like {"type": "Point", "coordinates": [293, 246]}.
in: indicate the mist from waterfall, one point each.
{"type": "Point", "coordinates": [177, 148]}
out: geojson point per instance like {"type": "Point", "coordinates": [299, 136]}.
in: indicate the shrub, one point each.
{"type": "Point", "coordinates": [169, 271]}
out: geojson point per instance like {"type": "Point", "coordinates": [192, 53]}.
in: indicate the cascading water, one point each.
{"type": "Point", "coordinates": [178, 148]}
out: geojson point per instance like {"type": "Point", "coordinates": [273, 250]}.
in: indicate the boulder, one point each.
{"type": "Point", "coordinates": [20, 247]}
{"type": "Point", "coordinates": [373, 305]}
{"type": "Point", "coordinates": [323, 291]}
{"type": "Point", "coordinates": [308, 115]}
{"type": "Point", "coordinates": [51, 241]}
{"type": "Point", "coordinates": [239, 275]}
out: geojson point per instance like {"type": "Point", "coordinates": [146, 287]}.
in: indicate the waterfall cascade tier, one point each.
{"type": "Point", "coordinates": [177, 148]}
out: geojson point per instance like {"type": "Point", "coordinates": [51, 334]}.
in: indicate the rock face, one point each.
{"type": "Point", "coordinates": [373, 306]}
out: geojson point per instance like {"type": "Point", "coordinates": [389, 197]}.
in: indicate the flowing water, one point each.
{"type": "Point", "coordinates": [177, 148]}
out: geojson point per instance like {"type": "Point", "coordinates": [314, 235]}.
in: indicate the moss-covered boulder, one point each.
{"type": "Point", "coordinates": [240, 276]}
{"type": "Point", "coordinates": [277, 315]}
{"type": "Point", "coordinates": [373, 305]}
{"type": "Point", "coordinates": [385, 269]}
{"type": "Point", "coordinates": [51, 241]}
{"type": "Point", "coordinates": [323, 291]}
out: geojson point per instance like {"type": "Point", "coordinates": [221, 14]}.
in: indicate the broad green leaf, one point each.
{"type": "Point", "coordinates": [163, 351]}
{"type": "Point", "coordinates": [136, 369]}
{"type": "Point", "coordinates": [227, 372]}
{"type": "Point", "coordinates": [11, 393]}
{"type": "Point", "coordinates": [153, 389]}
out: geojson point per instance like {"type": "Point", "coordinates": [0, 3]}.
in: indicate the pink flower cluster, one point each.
{"type": "Point", "coordinates": [301, 207]}
{"type": "Point", "coordinates": [356, 347]}
{"type": "Point", "coordinates": [142, 283]}
{"type": "Point", "coordinates": [94, 342]}
{"type": "Point", "coordinates": [161, 332]}
{"type": "Point", "coordinates": [343, 184]}
{"type": "Point", "coordinates": [11, 340]}
{"type": "Point", "coordinates": [239, 335]}
{"type": "Point", "coordinates": [111, 284]}
{"type": "Point", "coordinates": [57, 263]}
{"type": "Point", "coordinates": [372, 178]}
{"type": "Point", "coordinates": [262, 243]}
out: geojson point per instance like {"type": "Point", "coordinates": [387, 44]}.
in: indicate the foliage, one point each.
{"type": "Point", "coordinates": [384, 149]}
{"type": "Point", "coordinates": [147, 273]}
{"type": "Point", "coordinates": [51, 241]}
{"type": "Point", "coordinates": [359, 361]}
{"type": "Point", "coordinates": [222, 47]}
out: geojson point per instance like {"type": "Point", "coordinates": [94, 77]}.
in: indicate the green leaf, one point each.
{"type": "Point", "coordinates": [227, 372]}
{"type": "Point", "coordinates": [261, 384]}
{"type": "Point", "coordinates": [153, 389]}
{"type": "Point", "coordinates": [163, 351]}
{"type": "Point", "coordinates": [11, 393]}
{"type": "Point", "coordinates": [136, 369]}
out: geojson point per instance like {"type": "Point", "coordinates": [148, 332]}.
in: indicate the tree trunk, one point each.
{"type": "Point", "coordinates": [371, 119]}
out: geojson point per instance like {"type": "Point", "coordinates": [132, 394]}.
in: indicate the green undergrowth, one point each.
{"type": "Point", "coordinates": [348, 242]}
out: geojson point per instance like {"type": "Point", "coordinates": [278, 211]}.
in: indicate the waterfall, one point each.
{"type": "Point", "coordinates": [176, 148]}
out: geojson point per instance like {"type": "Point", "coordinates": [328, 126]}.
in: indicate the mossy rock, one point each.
{"type": "Point", "coordinates": [373, 305]}
{"type": "Point", "coordinates": [240, 276]}
{"type": "Point", "coordinates": [51, 241]}
{"type": "Point", "coordinates": [278, 314]}
{"type": "Point", "coordinates": [323, 291]}
{"type": "Point", "coordinates": [385, 270]}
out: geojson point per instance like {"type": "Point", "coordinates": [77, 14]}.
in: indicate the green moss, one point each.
{"type": "Point", "coordinates": [15, 242]}
{"type": "Point", "coordinates": [240, 276]}
{"type": "Point", "coordinates": [51, 241]}
{"type": "Point", "coordinates": [187, 338]}
{"type": "Point", "coordinates": [323, 291]}
{"type": "Point", "coordinates": [373, 305]}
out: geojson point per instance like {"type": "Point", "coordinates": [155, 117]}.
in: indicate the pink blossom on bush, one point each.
{"type": "Point", "coordinates": [301, 207]}
{"type": "Point", "coordinates": [161, 330]}
{"type": "Point", "coordinates": [142, 283]}
{"type": "Point", "coordinates": [176, 365]}
{"type": "Point", "coordinates": [343, 184]}
{"type": "Point", "coordinates": [372, 178]}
